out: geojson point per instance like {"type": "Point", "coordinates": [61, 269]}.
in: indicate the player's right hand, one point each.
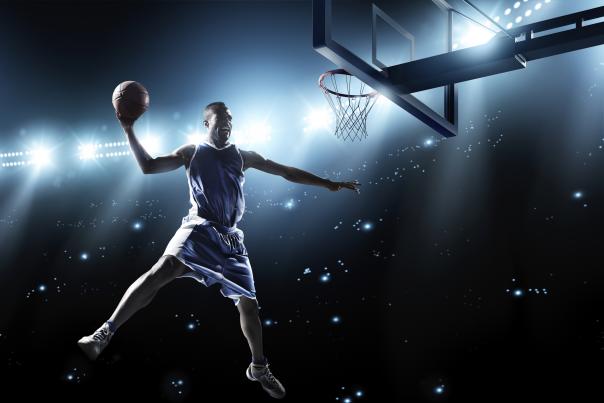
{"type": "Point", "coordinates": [126, 123]}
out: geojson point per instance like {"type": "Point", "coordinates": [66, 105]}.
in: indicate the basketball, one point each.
{"type": "Point", "coordinates": [130, 99]}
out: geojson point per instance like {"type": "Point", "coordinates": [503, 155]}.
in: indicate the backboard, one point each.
{"type": "Point", "coordinates": [490, 45]}
{"type": "Point", "coordinates": [365, 38]}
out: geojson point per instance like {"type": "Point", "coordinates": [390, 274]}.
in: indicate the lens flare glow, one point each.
{"type": "Point", "coordinates": [87, 151]}
{"type": "Point", "coordinates": [252, 134]}
{"type": "Point", "coordinates": [151, 143]}
{"type": "Point", "coordinates": [318, 119]}
{"type": "Point", "coordinates": [40, 156]}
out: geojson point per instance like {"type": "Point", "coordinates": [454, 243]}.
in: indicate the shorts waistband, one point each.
{"type": "Point", "coordinates": [219, 227]}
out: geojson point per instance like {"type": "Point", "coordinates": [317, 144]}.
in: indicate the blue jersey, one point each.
{"type": "Point", "coordinates": [208, 242]}
{"type": "Point", "coordinates": [216, 184]}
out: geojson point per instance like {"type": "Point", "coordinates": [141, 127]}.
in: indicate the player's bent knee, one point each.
{"type": "Point", "coordinates": [166, 269]}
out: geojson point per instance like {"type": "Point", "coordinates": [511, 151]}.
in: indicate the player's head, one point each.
{"type": "Point", "coordinates": [217, 119]}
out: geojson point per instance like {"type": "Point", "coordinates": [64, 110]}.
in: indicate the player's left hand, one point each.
{"type": "Point", "coordinates": [126, 123]}
{"type": "Point", "coordinates": [335, 186]}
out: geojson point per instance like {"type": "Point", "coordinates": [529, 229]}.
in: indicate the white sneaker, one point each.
{"type": "Point", "coordinates": [269, 383]}
{"type": "Point", "coordinates": [94, 344]}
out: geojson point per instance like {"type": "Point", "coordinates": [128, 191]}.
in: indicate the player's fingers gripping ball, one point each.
{"type": "Point", "coordinates": [130, 100]}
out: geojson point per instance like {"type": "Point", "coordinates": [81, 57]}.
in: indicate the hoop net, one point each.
{"type": "Point", "coordinates": [351, 100]}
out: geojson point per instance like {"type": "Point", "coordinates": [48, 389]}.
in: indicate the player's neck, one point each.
{"type": "Point", "coordinates": [216, 146]}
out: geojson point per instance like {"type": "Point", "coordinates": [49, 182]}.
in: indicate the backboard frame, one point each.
{"type": "Point", "coordinates": [507, 51]}
{"type": "Point", "coordinates": [379, 80]}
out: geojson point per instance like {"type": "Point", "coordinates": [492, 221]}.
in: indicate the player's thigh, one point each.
{"type": "Point", "coordinates": [247, 306]}
{"type": "Point", "coordinates": [165, 270]}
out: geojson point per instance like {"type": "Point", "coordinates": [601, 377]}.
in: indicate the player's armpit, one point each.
{"type": "Point", "coordinates": [179, 157]}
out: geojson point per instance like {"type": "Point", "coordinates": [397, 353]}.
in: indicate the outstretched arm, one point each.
{"type": "Point", "coordinates": [147, 163]}
{"type": "Point", "coordinates": [252, 159]}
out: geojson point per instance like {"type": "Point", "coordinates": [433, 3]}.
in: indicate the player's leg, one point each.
{"type": "Point", "coordinates": [141, 292]}
{"type": "Point", "coordinates": [137, 296]}
{"type": "Point", "coordinates": [252, 329]}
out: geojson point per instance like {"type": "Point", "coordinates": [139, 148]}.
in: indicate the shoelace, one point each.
{"type": "Point", "coordinates": [269, 375]}
{"type": "Point", "coordinates": [101, 334]}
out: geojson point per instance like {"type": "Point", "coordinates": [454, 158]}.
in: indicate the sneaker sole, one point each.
{"type": "Point", "coordinates": [86, 348]}
{"type": "Point", "coordinates": [248, 374]}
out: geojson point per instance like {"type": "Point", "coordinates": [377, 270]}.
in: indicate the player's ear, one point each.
{"type": "Point", "coordinates": [206, 124]}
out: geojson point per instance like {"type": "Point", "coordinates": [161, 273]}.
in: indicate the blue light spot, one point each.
{"type": "Point", "coordinates": [347, 400]}
{"type": "Point", "coordinates": [367, 226]}
{"type": "Point", "coordinates": [41, 288]}
{"type": "Point", "coordinates": [518, 292]}
{"type": "Point", "coordinates": [325, 278]}
{"type": "Point", "coordinates": [578, 195]}
{"type": "Point", "coordinates": [84, 256]}
{"type": "Point", "coordinates": [429, 142]}
{"type": "Point", "coordinates": [439, 390]}
{"type": "Point", "coordinates": [191, 326]}
{"type": "Point", "coordinates": [289, 204]}
{"type": "Point", "coordinates": [336, 319]}
{"type": "Point", "coordinates": [359, 393]}
{"type": "Point", "coordinates": [137, 226]}
{"type": "Point", "coordinates": [268, 322]}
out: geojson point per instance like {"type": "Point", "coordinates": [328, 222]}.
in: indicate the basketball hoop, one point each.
{"type": "Point", "coordinates": [350, 101]}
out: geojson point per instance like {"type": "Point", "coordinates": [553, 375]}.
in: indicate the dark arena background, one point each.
{"type": "Point", "coordinates": [466, 269]}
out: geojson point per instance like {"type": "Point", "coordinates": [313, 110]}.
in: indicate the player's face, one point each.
{"type": "Point", "coordinates": [219, 124]}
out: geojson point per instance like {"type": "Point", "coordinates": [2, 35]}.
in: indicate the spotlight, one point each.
{"type": "Point", "coordinates": [87, 151]}
{"type": "Point", "coordinates": [40, 156]}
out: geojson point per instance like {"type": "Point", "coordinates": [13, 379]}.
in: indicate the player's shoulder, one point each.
{"type": "Point", "coordinates": [250, 158]}
{"type": "Point", "coordinates": [186, 151]}
{"type": "Point", "coordinates": [249, 153]}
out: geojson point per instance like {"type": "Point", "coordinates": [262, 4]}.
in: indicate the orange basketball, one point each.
{"type": "Point", "coordinates": [130, 99]}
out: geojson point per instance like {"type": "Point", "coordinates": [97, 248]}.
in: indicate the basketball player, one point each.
{"type": "Point", "coordinates": [208, 246]}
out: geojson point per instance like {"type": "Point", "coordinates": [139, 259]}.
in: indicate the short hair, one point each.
{"type": "Point", "coordinates": [210, 107]}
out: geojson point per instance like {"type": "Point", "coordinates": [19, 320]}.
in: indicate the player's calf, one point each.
{"type": "Point", "coordinates": [139, 294]}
